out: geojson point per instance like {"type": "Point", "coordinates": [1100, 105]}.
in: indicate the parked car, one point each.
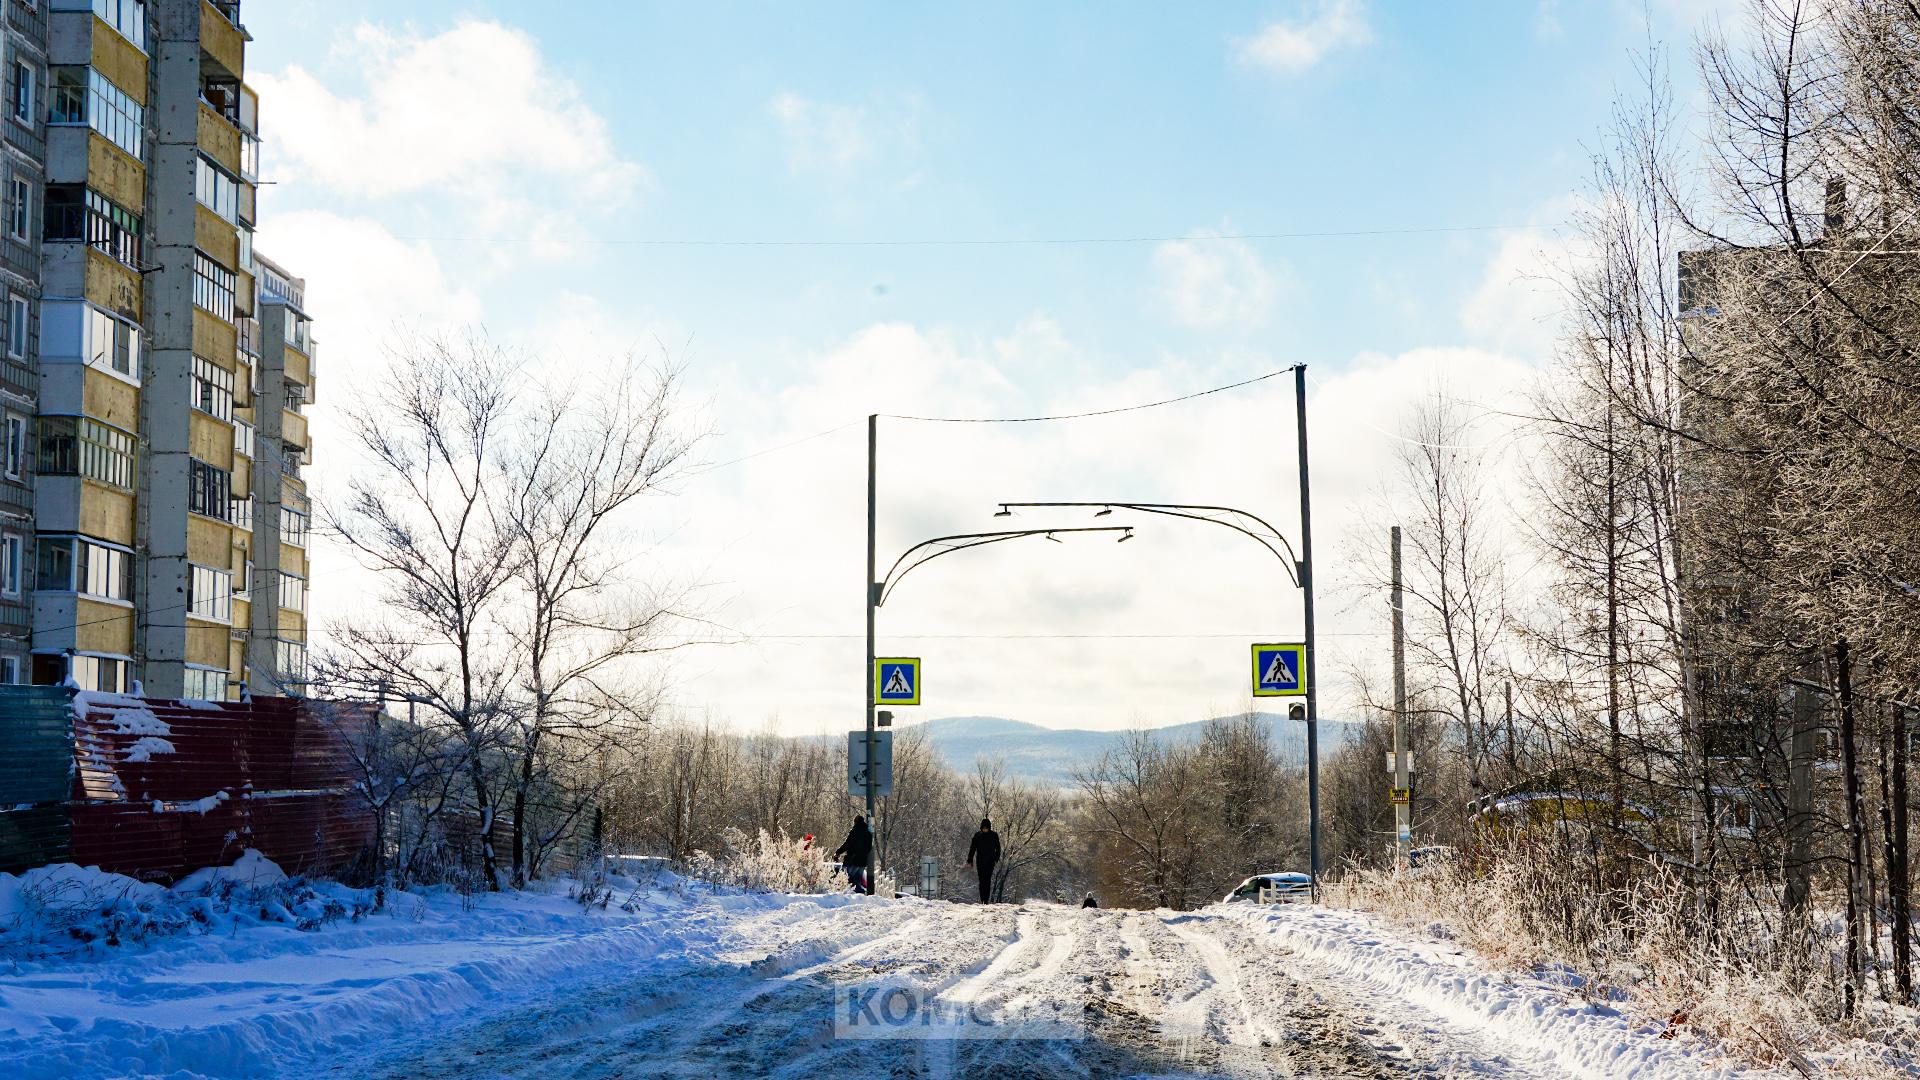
{"type": "Point", "coordinates": [1428, 860]}
{"type": "Point", "coordinates": [1284, 887]}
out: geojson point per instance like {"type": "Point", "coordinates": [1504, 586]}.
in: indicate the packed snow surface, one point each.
{"type": "Point", "coordinates": [678, 980]}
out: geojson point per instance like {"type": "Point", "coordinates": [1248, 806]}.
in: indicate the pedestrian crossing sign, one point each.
{"type": "Point", "coordinates": [896, 680]}
{"type": "Point", "coordinates": [1279, 670]}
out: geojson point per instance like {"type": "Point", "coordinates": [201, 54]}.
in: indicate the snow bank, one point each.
{"type": "Point", "coordinates": [251, 869]}
{"type": "Point", "coordinates": [1587, 1038]}
{"type": "Point", "coordinates": [244, 991]}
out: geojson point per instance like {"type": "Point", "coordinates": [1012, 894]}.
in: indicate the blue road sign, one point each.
{"type": "Point", "coordinates": [1280, 670]}
{"type": "Point", "coordinates": [896, 680]}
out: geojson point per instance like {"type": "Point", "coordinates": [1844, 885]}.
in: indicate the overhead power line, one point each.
{"type": "Point", "coordinates": [1096, 412]}
{"type": "Point", "coordinates": [929, 242]}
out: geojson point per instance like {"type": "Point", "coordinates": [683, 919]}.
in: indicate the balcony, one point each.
{"type": "Point", "coordinates": [277, 287]}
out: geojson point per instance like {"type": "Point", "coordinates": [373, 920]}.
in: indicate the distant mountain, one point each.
{"type": "Point", "coordinates": [1050, 755]}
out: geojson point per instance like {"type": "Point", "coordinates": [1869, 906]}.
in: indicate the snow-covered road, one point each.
{"type": "Point", "coordinates": [693, 984]}
{"type": "Point", "coordinates": [1216, 993]}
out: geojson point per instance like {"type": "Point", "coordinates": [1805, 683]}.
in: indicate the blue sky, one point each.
{"type": "Point", "coordinates": [444, 164]}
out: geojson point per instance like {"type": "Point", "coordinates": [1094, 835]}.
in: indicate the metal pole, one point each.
{"type": "Point", "coordinates": [1402, 811]}
{"type": "Point", "coordinates": [866, 682]}
{"type": "Point", "coordinates": [1306, 591]}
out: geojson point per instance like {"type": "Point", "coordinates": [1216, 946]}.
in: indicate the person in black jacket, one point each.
{"type": "Point", "coordinates": [983, 855]}
{"type": "Point", "coordinates": [855, 852]}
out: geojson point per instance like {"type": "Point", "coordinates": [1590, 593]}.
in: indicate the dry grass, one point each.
{"type": "Point", "coordinates": [1625, 930]}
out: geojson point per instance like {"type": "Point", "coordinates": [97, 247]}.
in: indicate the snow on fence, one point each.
{"type": "Point", "coordinates": [154, 788]}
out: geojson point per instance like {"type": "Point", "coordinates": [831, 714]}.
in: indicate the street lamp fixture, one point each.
{"type": "Point", "coordinates": [1299, 570]}
{"type": "Point", "coordinates": [1239, 521]}
{"type": "Point", "coordinates": [926, 551]}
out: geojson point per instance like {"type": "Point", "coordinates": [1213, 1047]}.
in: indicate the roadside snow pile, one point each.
{"type": "Point", "coordinates": [65, 909]}
{"type": "Point", "coordinates": [1586, 1037]}
{"type": "Point", "coordinates": [275, 993]}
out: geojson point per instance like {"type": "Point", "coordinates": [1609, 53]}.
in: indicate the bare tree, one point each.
{"type": "Point", "coordinates": [418, 517]}
{"type": "Point", "coordinates": [578, 470]}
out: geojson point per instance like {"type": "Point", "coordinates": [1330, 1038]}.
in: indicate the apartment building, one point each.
{"type": "Point", "coordinates": [152, 510]}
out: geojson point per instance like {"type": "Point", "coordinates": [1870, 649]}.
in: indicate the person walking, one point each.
{"type": "Point", "coordinates": [855, 852]}
{"type": "Point", "coordinates": [983, 855]}
{"type": "Point", "coordinates": [1089, 902]}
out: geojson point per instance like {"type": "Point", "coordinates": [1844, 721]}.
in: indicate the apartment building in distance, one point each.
{"type": "Point", "coordinates": [153, 516]}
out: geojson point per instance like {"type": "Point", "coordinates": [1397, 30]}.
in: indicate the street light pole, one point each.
{"type": "Point", "coordinates": [866, 677]}
{"type": "Point", "coordinates": [1306, 592]}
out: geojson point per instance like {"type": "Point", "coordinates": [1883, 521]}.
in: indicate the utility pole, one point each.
{"type": "Point", "coordinates": [866, 677]}
{"type": "Point", "coordinates": [1306, 593]}
{"type": "Point", "coordinates": [1402, 767]}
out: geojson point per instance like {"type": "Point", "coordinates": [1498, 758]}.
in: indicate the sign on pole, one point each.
{"type": "Point", "coordinates": [1280, 670]}
{"type": "Point", "coordinates": [857, 763]}
{"type": "Point", "coordinates": [896, 680]}
{"type": "Point", "coordinates": [1399, 796]}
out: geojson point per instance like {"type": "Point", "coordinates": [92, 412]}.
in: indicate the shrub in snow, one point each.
{"type": "Point", "coordinates": [766, 863]}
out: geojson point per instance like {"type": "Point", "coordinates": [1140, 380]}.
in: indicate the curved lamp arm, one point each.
{"type": "Point", "coordinates": [926, 551]}
{"type": "Point", "coordinates": [1290, 560]}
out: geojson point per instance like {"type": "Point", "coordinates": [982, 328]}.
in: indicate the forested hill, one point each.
{"type": "Point", "coordinates": [1051, 754]}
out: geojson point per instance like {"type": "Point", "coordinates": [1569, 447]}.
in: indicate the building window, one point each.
{"type": "Point", "coordinates": [13, 445]}
{"type": "Point", "coordinates": [12, 551]}
{"type": "Point", "coordinates": [293, 527]}
{"type": "Point", "coordinates": [73, 330]}
{"type": "Point", "coordinates": [290, 658]}
{"type": "Point", "coordinates": [19, 209]}
{"type": "Point", "coordinates": [103, 572]}
{"type": "Point", "coordinates": [206, 684]}
{"type": "Point", "coordinates": [212, 286]}
{"type": "Point", "coordinates": [245, 591]}
{"type": "Point", "coordinates": [293, 592]}
{"type": "Point", "coordinates": [240, 512]}
{"type": "Point", "coordinates": [78, 214]}
{"type": "Point", "coordinates": [296, 395]}
{"type": "Point", "coordinates": [210, 594]}
{"type": "Point", "coordinates": [20, 92]}
{"type": "Point", "coordinates": [216, 190]}
{"type": "Point", "coordinates": [81, 95]}
{"type": "Point", "coordinates": [10, 670]}
{"type": "Point", "coordinates": [81, 446]}
{"type": "Point", "coordinates": [208, 489]}
{"type": "Point", "coordinates": [128, 17]}
{"type": "Point", "coordinates": [77, 564]}
{"type": "Point", "coordinates": [19, 318]}
{"type": "Point", "coordinates": [212, 388]}
{"type": "Point", "coordinates": [243, 438]}
{"type": "Point", "coordinates": [101, 674]}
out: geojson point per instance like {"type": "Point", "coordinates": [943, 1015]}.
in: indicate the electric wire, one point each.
{"type": "Point", "coordinates": [1096, 412]}
{"type": "Point", "coordinates": [933, 242]}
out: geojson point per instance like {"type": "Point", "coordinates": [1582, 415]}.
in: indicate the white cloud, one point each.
{"type": "Point", "coordinates": [1212, 283]}
{"type": "Point", "coordinates": [474, 111]}
{"type": "Point", "coordinates": [839, 139]}
{"type": "Point", "coordinates": [819, 135]}
{"type": "Point", "coordinates": [783, 534]}
{"type": "Point", "coordinates": [1292, 47]}
{"type": "Point", "coordinates": [1520, 301]}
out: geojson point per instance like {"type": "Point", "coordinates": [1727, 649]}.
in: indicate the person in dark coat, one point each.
{"type": "Point", "coordinates": [1089, 901]}
{"type": "Point", "coordinates": [855, 852]}
{"type": "Point", "coordinates": [983, 855]}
